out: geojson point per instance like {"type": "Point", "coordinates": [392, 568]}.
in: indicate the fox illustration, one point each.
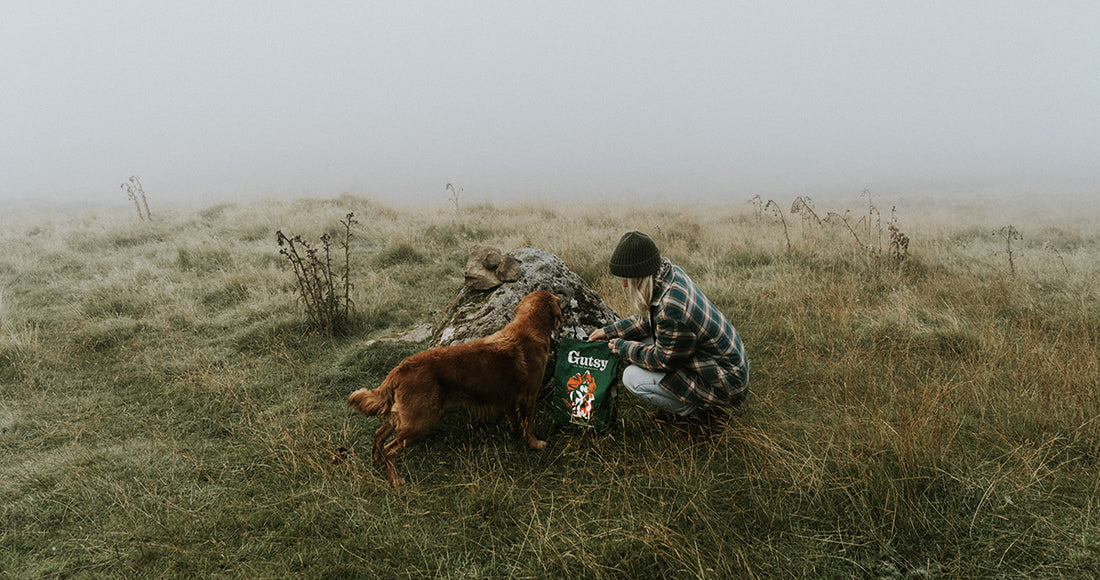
{"type": "Point", "coordinates": [582, 391]}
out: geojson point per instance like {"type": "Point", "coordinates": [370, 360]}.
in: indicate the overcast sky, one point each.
{"type": "Point", "coordinates": [547, 100]}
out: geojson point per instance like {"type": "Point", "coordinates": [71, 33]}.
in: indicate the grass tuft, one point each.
{"type": "Point", "coordinates": [400, 253]}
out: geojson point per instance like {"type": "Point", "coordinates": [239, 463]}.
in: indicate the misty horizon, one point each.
{"type": "Point", "coordinates": [614, 102]}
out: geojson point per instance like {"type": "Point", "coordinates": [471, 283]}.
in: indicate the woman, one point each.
{"type": "Point", "coordinates": [684, 356]}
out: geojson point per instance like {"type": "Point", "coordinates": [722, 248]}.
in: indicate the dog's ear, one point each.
{"type": "Point", "coordinates": [556, 316]}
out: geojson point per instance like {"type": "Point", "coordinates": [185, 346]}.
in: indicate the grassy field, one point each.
{"type": "Point", "coordinates": [165, 410]}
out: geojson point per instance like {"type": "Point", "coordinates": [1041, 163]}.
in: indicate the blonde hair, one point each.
{"type": "Point", "coordinates": [640, 293]}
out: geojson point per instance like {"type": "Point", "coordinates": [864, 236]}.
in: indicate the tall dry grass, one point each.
{"type": "Point", "coordinates": [166, 410]}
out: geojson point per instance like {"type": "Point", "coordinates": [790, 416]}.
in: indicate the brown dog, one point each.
{"type": "Point", "coordinates": [499, 373]}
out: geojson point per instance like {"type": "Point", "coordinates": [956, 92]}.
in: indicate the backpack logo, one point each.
{"type": "Point", "coordinates": [582, 391]}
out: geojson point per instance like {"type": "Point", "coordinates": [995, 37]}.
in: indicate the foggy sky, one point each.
{"type": "Point", "coordinates": [547, 101]}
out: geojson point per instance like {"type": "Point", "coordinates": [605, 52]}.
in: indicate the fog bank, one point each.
{"type": "Point", "coordinates": [551, 102]}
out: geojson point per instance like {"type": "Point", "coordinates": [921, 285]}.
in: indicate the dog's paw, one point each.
{"type": "Point", "coordinates": [397, 481]}
{"type": "Point", "coordinates": [538, 445]}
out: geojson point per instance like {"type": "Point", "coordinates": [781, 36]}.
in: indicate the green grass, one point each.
{"type": "Point", "coordinates": [165, 410]}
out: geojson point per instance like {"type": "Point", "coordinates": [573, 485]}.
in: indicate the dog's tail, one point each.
{"type": "Point", "coordinates": [373, 401]}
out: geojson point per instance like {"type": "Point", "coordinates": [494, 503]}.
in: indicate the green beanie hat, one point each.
{"type": "Point", "coordinates": [636, 256]}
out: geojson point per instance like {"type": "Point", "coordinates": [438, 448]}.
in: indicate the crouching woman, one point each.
{"type": "Point", "coordinates": [684, 356]}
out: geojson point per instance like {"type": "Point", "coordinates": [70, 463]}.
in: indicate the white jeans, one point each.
{"type": "Point", "coordinates": [646, 385]}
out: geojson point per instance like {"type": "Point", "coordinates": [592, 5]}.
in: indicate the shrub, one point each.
{"type": "Point", "coordinates": [324, 292]}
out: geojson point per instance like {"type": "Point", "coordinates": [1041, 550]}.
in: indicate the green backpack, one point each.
{"type": "Point", "coordinates": [583, 376]}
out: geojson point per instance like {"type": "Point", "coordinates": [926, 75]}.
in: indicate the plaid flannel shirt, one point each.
{"type": "Point", "coordinates": [692, 341]}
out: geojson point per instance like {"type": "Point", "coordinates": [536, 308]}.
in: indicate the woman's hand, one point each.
{"type": "Point", "coordinates": [597, 334]}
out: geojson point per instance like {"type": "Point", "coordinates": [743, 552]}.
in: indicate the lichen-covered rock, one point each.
{"type": "Point", "coordinates": [478, 313]}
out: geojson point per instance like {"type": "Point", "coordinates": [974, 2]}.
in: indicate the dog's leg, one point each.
{"type": "Point", "coordinates": [380, 437]}
{"type": "Point", "coordinates": [400, 441]}
{"type": "Point", "coordinates": [390, 455]}
{"type": "Point", "coordinates": [529, 435]}
{"type": "Point", "coordinates": [513, 419]}
{"type": "Point", "coordinates": [412, 420]}
{"type": "Point", "coordinates": [526, 410]}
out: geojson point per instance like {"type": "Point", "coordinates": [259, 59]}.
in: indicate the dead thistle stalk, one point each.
{"type": "Point", "coordinates": [1010, 233]}
{"type": "Point", "coordinates": [757, 206]}
{"type": "Point", "coordinates": [134, 190]}
{"type": "Point", "coordinates": [873, 214]}
{"type": "Point", "coordinates": [326, 308]}
{"type": "Point", "coordinates": [899, 242]}
{"type": "Point", "coordinates": [454, 196]}
{"type": "Point", "coordinates": [778, 211]}
{"type": "Point", "coordinates": [833, 217]}
{"type": "Point", "coordinates": [804, 206]}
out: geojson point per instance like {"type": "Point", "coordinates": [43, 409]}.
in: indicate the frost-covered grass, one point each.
{"type": "Point", "coordinates": [166, 411]}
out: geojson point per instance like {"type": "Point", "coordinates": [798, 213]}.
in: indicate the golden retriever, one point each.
{"type": "Point", "coordinates": [499, 373]}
